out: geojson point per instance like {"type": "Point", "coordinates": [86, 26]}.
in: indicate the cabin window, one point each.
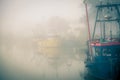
{"type": "Point", "coordinates": [117, 52]}
{"type": "Point", "coordinates": [106, 52]}
{"type": "Point", "coordinates": [97, 51]}
{"type": "Point", "coordinates": [93, 51]}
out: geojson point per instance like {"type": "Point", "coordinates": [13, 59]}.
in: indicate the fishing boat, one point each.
{"type": "Point", "coordinates": [103, 57]}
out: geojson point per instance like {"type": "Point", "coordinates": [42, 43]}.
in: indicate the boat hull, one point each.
{"type": "Point", "coordinates": [104, 70]}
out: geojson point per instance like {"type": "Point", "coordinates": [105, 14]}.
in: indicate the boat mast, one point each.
{"type": "Point", "coordinates": [89, 34]}
{"type": "Point", "coordinates": [87, 19]}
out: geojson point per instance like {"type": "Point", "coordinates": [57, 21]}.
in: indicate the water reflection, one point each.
{"type": "Point", "coordinates": [28, 60]}
{"type": "Point", "coordinates": [40, 67]}
{"type": "Point", "coordinates": [59, 68]}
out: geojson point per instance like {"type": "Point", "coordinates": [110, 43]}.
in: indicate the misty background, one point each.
{"type": "Point", "coordinates": [23, 23]}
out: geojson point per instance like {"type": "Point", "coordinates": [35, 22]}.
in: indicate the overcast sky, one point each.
{"type": "Point", "coordinates": [20, 11]}
{"type": "Point", "coordinates": [20, 14]}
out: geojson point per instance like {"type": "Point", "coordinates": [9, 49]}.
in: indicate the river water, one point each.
{"type": "Point", "coordinates": [21, 64]}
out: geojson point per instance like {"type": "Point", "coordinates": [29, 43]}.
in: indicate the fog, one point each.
{"type": "Point", "coordinates": [25, 24]}
{"type": "Point", "coordinates": [44, 39]}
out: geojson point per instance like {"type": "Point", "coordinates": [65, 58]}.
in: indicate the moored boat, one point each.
{"type": "Point", "coordinates": [103, 58]}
